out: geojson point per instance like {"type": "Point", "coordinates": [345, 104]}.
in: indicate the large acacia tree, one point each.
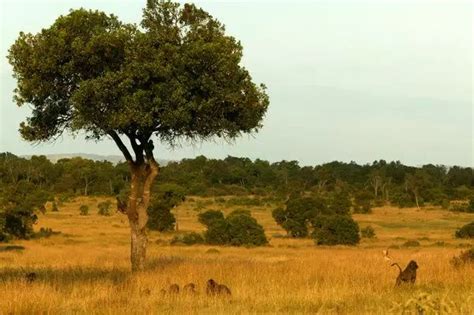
{"type": "Point", "coordinates": [176, 76]}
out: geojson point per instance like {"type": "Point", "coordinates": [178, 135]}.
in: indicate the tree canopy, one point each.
{"type": "Point", "coordinates": [177, 75]}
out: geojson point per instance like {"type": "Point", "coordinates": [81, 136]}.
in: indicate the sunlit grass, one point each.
{"type": "Point", "coordinates": [86, 268]}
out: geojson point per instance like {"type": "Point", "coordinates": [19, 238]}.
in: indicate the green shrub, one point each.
{"type": "Point", "coordinates": [368, 232]}
{"type": "Point", "coordinates": [10, 248]}
{"type": "Point", "coordinates": [188, 239]}
{"type": "Point", "coordinates": [239, 228]}
{"type": "Point", "coordinates": [339, 203]}
{"type": "Point", "coordinates": [336, 230]}
{"type": "Point", "coordinates": [213, 251]}
{"type": "Point", "coordinates": [160, 217]}
{"type": "Point", "coordinates": [166, 197]}
{"type": "Point", "coordinates": [465, 258]}
{"type": "Point", "coordinates": [84, 210]}
{"type": "Point", "coordinates": [55, 207]}
{"type": "Point", "coordinates": [206, 218]}
{"type": "Point", "coordinates": [411, 243]}
{"type": "Point", "coordinates": [219, 200]}
{"type": "Point", "coordinates": [240, 212]}
{"type": "Point", "coordinates": [245, 230]}
{"type": "Point", "coordinates": [362, 202]}
{"type": "Point", "coordinates": [402, 199]}
{"type": "Point", "coordinates": [445, 204]}
{"type": "Point", "coordinates": [45, 233]}
{"type": "Point", "coordinates": [202, 204]}
{"type": "Point", "coordinates": [17, 224]}
{"type": "Point", "coordinates": [217, 232]}
{"type": "Point", "coordinates": [299, 213]}
{"type": "Point", "coordinates": [104, 208]}
{"type": "Point", "coordinates": [467, 231]}
{"type": "Point", "coordinates": [470, 207]}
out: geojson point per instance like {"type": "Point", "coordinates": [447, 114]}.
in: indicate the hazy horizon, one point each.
{"type": "Point", "coordinates": [348, 80]}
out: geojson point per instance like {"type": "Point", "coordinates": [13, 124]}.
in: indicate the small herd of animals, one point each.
{"type": "Point", "coordinates": [405, 276]}
{"type": "Point", "coordinates": [212, 289]}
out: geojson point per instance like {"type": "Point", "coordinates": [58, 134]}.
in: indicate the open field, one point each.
{"type": "Point", "coordinates": [85, 269]}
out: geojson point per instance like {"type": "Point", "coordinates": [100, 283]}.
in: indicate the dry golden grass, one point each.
{"type": "Point", "coordinates": [85, 270]}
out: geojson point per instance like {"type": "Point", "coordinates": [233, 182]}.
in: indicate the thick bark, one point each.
{"type": "Point", "coordinates": [144, 171]}
{"type": "Point", "coordinates": [143, 176]}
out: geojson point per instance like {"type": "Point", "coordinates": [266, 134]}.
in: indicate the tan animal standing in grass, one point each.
{"type": "Point", "coordinates": [213, 288]}
{"type": "Point", "coordinates": [189, 288]}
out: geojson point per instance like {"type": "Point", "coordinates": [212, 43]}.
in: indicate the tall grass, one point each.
{"type": "Point", "coordinates": [85, 270]}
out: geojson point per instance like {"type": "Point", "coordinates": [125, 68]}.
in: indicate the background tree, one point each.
{"type": "Point", "coordinates": [178, 76]}
{"type": "Point", "coordinates": [165, 198]}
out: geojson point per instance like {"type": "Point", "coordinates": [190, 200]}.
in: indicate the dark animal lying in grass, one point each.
{"type": "Point", "coordinates": [407, 276]}
{"type": "Point", "coordinates": [214, 288]}
{"type": "Point", "coordinates": [189, 288]}
{"type": "Point", "coordinates": [31, 277]}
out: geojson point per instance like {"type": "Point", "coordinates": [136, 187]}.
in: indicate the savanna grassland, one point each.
{"type": "Point", "coordinates": [86, 268]}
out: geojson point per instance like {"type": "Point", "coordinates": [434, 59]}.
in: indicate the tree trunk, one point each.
{"type": "Point", "coordinates": [416, 200]}
{"type": "Point", "coordinates": [86, 187]}
{"type": "Point", "coordinates": [143, 176]}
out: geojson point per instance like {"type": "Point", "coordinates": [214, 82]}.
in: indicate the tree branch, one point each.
{"type": "Point", "coordinates": [121, 146]}
{"type": "Point", "coordinates": [137, 148]}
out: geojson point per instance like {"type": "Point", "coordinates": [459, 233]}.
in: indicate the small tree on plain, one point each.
{"type": "Point", "coordinates": [237, 229]}
{"type": "Point", "coordinates": [466, 231]}
{"type": "Point", "coordinates": [336, 230]}
{"type": "Point", "coordinates": [84, 210]}
{"type": "Point", "coordinates": [176, 77]}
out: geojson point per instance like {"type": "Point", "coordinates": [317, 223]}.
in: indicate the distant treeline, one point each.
{"type": "Point", "coordinates": [382, 182]}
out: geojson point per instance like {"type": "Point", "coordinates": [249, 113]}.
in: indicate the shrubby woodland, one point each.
{"type": "Point", "coordinates": [380, 182]}
{"type": "Point", "coordinates": [314, 200]}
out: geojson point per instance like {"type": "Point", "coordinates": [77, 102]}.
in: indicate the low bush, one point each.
{"type": "Point", "coordinates": [368, 232]}
{"type": "Point", "coordinates": [104, 208]}
{"type": "Point", "coordinates": [239, 228]}
{"type": "Point", "coordinates": [55, 207]}
{"type": "Point", "coordinates": [465, 258]}
{"type": "Point", "coordinates": [84, 210]}
{"type": "Point", "coordinates": [206, 218]}
{"type": "Point", "coordinates": [467, 231]}
{"type": "Point", "coordinates": [45, 233]}
{"type": "Point", "coordinates": [188, 239]}
{"type": "Point", "coordinates": [245, 230]}
{"type": "Point", "coordinates": [336, 230]}
{"type": "Point", "coordinates": [362, 202]}
{"type": "Point", "coordinates": [411, 243]}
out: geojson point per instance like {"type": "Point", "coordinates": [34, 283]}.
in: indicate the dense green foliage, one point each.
{"type": "Point", "coordinates": [302, 212]}
{"type": "Point", "coordinates": [165, 198]}
{"type": "Point", "coordinates": [174, 76]}
{"type": "Point", "coordinates": [367, 232]}
{"type": "Point", "coordinates": [178, 75]}
{"type": "Point", "coordinates": [338, 187]}
{"type": "Point", "coordinates": [84, 210]}
{"type": "Point", "coordinates": [191, 238]}
{"type": "Point", "coordinates": [237, 229]}
{"type": "Point", "coordinates": [336, 230]}
{"type": "Point", "coordinates": [234, 176]}
{"type": "Point", "coordinates": [104, 208]}
{"type": "Point", "coordinates": [18, 205]}
{"type": "Point", "coordinates": [467, 231]}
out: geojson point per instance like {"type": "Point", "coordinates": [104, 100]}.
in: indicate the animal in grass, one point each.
{"type": "Point", "coordinates": [407, 276]}
{"type": "Point", "coordinates": [31, 277]}
{"type": "Point", "coordinates": [213, 288]}
{"type": "Point", "coordinates": [173, 289]}
{"type": "Point", "coordinates": [189, 288]}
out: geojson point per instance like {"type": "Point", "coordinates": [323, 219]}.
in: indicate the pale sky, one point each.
{"type": "Point", "coordinates": [347, 80]}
